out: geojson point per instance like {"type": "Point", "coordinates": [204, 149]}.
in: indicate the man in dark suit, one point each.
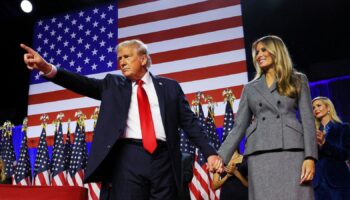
{"type": "Point", "coordinates": [136, 147]}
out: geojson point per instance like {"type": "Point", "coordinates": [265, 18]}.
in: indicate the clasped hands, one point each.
{"type": "Point", "coordinates": [215, 164]}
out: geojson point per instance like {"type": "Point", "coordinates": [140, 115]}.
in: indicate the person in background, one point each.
{"type": "Point", "coordinates": [281, 150]}
{"type": "Point", "coordinates": [233, 183]}
{"type": "Point", "coordinates": [136, 147]}
{"type": "Point", "coordinates": [3, 179]}
{"type": "Point", "coordinates": [332, 178]}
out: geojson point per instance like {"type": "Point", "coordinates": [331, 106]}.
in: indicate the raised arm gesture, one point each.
{"type": "Point", "coordinates": [34, 60]}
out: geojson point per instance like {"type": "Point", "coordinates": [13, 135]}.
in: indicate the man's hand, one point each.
{"type": "Point", "coordinates": [307, 171]}
{"type": "Point", "coordinates": [215, 164]}
{"type": "Point", "coordinates": [34, 61]}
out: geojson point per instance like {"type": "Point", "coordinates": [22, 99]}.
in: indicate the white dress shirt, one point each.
{"type": "Point", "coordinates": [133, 126]}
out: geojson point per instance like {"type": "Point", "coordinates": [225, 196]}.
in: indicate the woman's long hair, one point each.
{"type": "Point", "coordinates": [332, 112]}
{"type": "Point", "coordinates": [287, 79]}
{"type": "Point", "coordinates": [2, 171]}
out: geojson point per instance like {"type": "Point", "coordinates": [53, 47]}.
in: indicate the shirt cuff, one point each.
{"type": "Point", "coordinates": [50, 74]}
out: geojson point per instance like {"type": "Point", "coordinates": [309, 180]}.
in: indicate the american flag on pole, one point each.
{"type": "Point", "coordinates": [42, 161]}
{"type": "Point", "coordinates": [199, 43]}
{"type": "Point", "coordinates": [185, 145]}
{"type": "Point", "coordinates": [23, 173]}
{"type": "Point", "coordinates": [78, 158]}
{"type": "Point", "coordinates": [228, 120]}
{"type": "Point", "coordinates": [200, 186]}
{"type": "Point", "coordinates": [58, 170]}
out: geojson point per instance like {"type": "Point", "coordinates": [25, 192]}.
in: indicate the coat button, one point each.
{"type": "Point", "coordinates": [260, 104]}
{"type": "Point", "coordinates": [108, 146]}
{"type": "Point", "coordinates": [278, 102]}
{"type": "Point", "coordinates": [278, 116]}
{"type": "Point", "coordinates": [263, 118]}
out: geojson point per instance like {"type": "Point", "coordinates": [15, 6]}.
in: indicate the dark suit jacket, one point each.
{"type": "Point", "coordinates": [332, 156]}
{"type": "Point", "coordinates": [114, 91]}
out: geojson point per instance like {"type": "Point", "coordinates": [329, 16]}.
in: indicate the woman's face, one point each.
{"type": "Point", "coordinates": [320, 109]}
{"type": "Point", "coordinates": [263, 57]}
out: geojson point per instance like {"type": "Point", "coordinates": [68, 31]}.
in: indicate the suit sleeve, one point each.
{"type": "Point", "coordinates": [340, 150]}
{"type": "Point", "coordinates": [307, 119]}
{"type": "Point", "coordinates": [90, 87]}
{"type": "Point", "coordinates": [190, 124]}
{"type": "Point", "coordinates": [243, 118]}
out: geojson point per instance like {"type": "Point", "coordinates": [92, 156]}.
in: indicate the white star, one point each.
{"type": "Point", "coordinates": [72, 49]}
{"type": "Point", "coordinates": [110, 21]}
{"type": "Point", "coordinates": [81, 13]}
{"type": "Point", "coordinates": [80, 27]}
{"type": "Point", "coordinates": [79, 69]}
{"type": "Point", "coordinates": [53, 20]}
{"type": "Point", "coordinates": [66, 17]}
{"type": "Point", "coordinates": [73, 35]}
{"type": "Point", "coordinates": [46, 27]}
{"type": "Point", "coordinates": [66, 30]}
{"type": "Point", "coordinates": [110, 7]}
{"type": "Point", "coordinates": [65, 57]}
{"type": "Point", "coordinates": [40, 36]}
{"type": "Point", "coordinates": [80, 40]}
{"type": "Point", "coordinates": [65, 43]}
{"type": "Point", "coordinates": [59, 38]}
{"type": "Point", "coordinates": [95, 24]}
{"type": "Point", "coordinates": [103, 15]}
{"type": "Point", "coordinates": [79, 54]}
{"type": "Point", "coordinates": [59, 25]}
{"type": "Point", "coordinates": [40, 23]}
{"type": "Point", "coordinates": [58, 52]}
{"type": "Point", "coordinates": [87, 32]}
{"type": "Point", "coordinates": [109, 64]}
{"type": "Point", "coordinates": [94, 67]}
{"type": "Point", "coordinates": [95, 10]}
{"type": "Point", "coordinates": [74, 22]}
{"type": "Point", "coordinates": [94, 52]}
{"type": "Point", "coordinates": [102, 29]}
{"type": "Point", "coordinates": [37, 76]}
{"type": "Point", "coordinates": [71, 63]}
{"type": "Point", "coordinates": [88, 19]}
{"type": "Point", "coordinates": [102, 43]}
{"type": "Point", "coordinates": [87, 46]}
{"type": "Point", "coordinates": [94, 38]}
{"type": "Point", "coordinates": [102, 58]}
{"type": "Point", "coordinates": [110, 35]}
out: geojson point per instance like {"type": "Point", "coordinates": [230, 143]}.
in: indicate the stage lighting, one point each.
{"type": "Point", "coordinates": [26, 6]}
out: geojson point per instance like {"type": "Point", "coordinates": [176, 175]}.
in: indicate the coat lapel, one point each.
{"type": "Point", "coordinates": [263, 90]}
{"type": "Point", "coordinates": [126, 90]}
{"type": "Point", "coordinates": [159, 87]}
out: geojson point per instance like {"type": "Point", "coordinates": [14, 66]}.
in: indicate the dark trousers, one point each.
{"type": "Point", "coordinates": [138, 175]}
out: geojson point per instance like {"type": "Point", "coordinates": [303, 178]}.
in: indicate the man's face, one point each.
{"type": "Point", "coordinates": [132, 65]}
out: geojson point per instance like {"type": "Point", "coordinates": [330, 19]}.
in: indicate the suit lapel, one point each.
{"type": "Point", "coordinates": [159, 87]}
{"type": "Point", "coordinates": [263, 90]}
{"type": "Point", "coordinates": [126, 90]}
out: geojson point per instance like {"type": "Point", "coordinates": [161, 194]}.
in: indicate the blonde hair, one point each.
{"type": "Point", "coordinates": [288, 79]}
{"type": "Point", "coordinates": [2, 170]}
{"type": "Point", "coordinates": [140, 46]}
{"type": "Point", "coordinates": [332, 112]}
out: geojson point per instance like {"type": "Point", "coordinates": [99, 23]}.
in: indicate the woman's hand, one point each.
{"type": "Point", "coordinates": [307, 171]}
{"type": "Point", "coordinates": [230, 169]}
{"type": "Point", "coordinates": [321, 138]}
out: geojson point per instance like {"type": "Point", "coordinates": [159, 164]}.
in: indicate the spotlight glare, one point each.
{"type": "Point", "coordinates": [26, 6]}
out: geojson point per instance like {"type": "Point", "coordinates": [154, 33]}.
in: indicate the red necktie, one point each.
{"type": "Point", "coordinates": [147, 128]}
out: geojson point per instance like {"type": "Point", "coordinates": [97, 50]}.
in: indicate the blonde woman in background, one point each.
{"type": "Point", "coordinates": [3, 179]}
{"type": "Point", "coordinates": [332, 178]}
{"type": "Point", "coordinates": [281, 150]}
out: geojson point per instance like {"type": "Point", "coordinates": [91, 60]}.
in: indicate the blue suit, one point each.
{"type": "Point", "coordinates": [114, 91]}
{"type": "Point", "coordinates": [332, 177]}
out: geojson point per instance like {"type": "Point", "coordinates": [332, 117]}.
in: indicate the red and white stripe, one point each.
{"type": "Point", "coordinates": [76, 179]}
{"type": "Point", "coordinates": [60, 179]}
{"type": "Point", "coordinates": [24, 182]}
{"type": "Point", "coordinates": [42, 179]}
{"type": "Point", "coordinates": [200, 186]}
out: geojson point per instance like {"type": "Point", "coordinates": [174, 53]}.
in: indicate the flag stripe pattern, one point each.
{"type": "Point", "coordinates": [199, 43]}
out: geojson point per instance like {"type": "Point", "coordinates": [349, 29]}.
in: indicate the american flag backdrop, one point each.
{"type": "Point", "coordinates": [199, 43]}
